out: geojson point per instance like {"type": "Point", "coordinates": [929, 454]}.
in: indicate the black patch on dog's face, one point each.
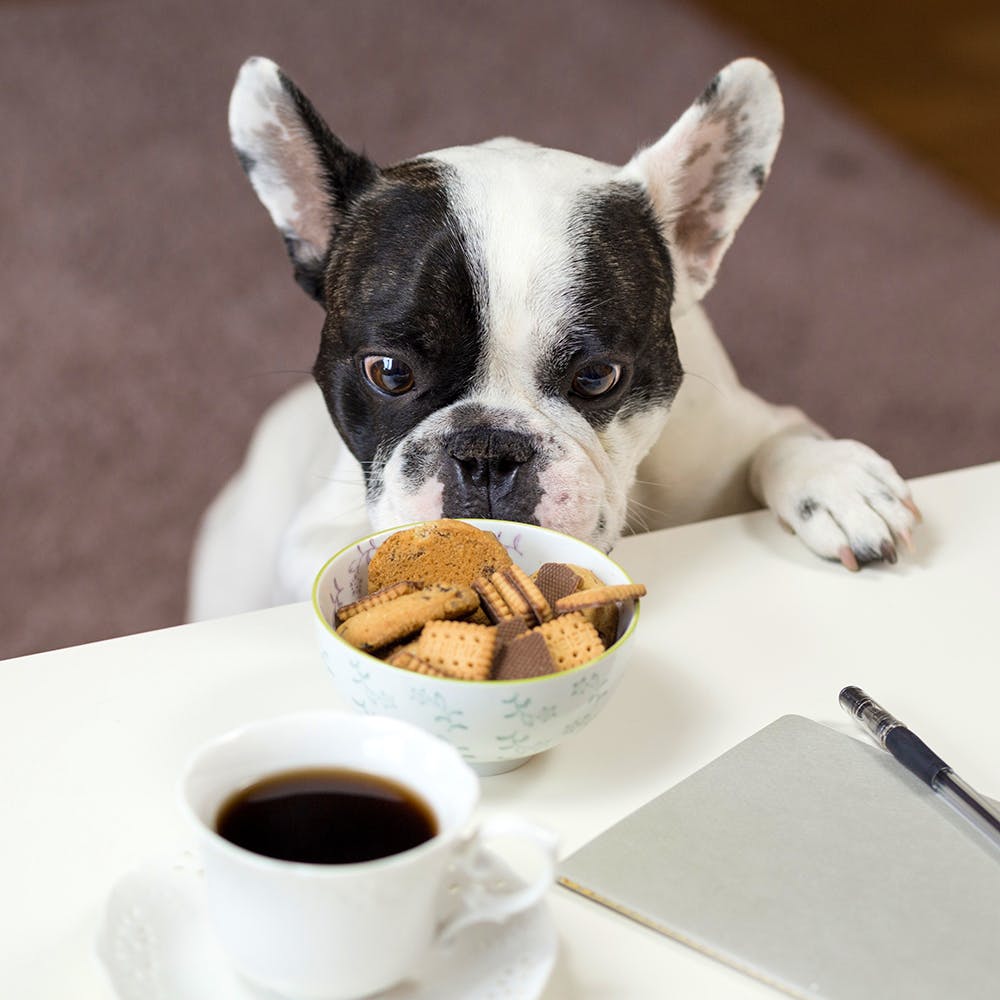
{"type": "Point", "coordinates": [397, 285]}
{"type": "Point", "coordinates": [401, 282]}
{"type": "Point", "coordinates": [621, 313]}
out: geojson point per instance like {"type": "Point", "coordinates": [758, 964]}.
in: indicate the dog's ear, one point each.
{"type": "Point", "coordinates": [305, 176]}
{"type": "Point", "coordinates": [704, 175]}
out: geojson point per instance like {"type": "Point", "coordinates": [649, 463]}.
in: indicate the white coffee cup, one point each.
{"type": "Point", "coordinates": [328, 932]}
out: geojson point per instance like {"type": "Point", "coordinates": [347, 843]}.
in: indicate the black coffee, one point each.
{"type": "Point", "coordinates": [326, 816]}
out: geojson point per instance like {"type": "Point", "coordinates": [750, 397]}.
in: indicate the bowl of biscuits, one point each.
{"type": "Point", "coordinates": [501, 638]}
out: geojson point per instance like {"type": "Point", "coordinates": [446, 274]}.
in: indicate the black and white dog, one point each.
{"type": "Point", "coordinates": [508, 329]}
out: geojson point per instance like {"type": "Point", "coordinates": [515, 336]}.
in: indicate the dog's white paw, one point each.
{"type": "Point", "coordinates": [841, 498]}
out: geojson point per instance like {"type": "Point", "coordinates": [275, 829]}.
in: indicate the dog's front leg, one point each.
{"type": "Point", "coordinates": [840, 497]}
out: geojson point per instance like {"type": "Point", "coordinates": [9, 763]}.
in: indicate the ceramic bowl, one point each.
{"type": "Point", "coordinates": [495, 725]}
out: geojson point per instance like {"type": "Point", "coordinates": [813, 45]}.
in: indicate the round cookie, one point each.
{"type": "Point", "coordinates": [443, 551]}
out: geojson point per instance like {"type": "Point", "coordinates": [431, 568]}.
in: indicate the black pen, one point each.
{"type": "Point", "coordinates": [917, 756]}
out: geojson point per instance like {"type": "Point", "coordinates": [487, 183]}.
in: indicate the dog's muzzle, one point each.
{"type": "Point", "coordinates": [488, 472]}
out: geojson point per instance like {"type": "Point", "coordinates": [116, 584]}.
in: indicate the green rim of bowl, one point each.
{"type": "Point", "coordinates": [478, 522]}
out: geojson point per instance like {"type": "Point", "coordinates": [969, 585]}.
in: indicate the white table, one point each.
{"type": "Point", "coordinates": [741, 625]}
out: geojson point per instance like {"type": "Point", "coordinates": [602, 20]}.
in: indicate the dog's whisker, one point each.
{"type": "Point", "coordinates": [340, 482]}
{"type": "Point", "coordinates": [636, 523]}
{"type": "Point", "coordinates": [343, 512]}
{"type": "Point", "coordinates": [707, 381]}
{"type": "Point", "coordinates": [276, 371]}
{"type": "Point", "coordinates": [632, 503]}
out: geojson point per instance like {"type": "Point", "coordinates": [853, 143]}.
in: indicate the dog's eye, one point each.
{"type": "Point", "coordinates": [596, 378]}
{"type": "Point", "coordinates": [388, 375]}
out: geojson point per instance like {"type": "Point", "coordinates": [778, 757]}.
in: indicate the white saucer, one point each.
{"type": "Point", "coordinates": [155, 943]}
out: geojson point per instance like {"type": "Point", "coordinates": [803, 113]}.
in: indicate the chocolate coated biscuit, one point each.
{"type": "Point", "coordinates": [526, 656]}
{"type": "Point", "coordinates": [528, 589]}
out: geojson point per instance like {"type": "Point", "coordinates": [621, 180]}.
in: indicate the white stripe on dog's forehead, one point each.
{"type": "Point", "coordinates": [515, 202]}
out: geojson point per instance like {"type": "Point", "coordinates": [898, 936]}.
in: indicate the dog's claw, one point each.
{"type": "Point", "coordinates": [913, 509]}
{"type": "Point", "coordinates": [848, 558]}
{"type": "Point", "coordinates": [784, 524]}
{"type": "Point", "coordinates": [888, 552]}
{"type": "Point", "coordinates": [907, 539]}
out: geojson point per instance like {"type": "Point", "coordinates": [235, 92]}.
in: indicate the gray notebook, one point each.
{"type": "Point", "coordinates": [813, 862]}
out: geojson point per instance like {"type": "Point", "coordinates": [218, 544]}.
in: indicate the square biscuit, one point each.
{"type": "Point", "coordinates": [459, 649]}
{"type": "Point", "coordinates": [571, 640]}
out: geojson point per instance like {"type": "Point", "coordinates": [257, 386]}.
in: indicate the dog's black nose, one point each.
{"type": "Point", "coordinates": [489, 459]}
{"type": "Point", "coordinates": [491, 474]}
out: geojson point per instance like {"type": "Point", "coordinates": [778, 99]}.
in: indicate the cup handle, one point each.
{"type": "Point", "coordinates": [479, 896]}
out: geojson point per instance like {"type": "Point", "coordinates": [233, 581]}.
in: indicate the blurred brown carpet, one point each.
{"type": "Point", "coordinates": [147, 315]}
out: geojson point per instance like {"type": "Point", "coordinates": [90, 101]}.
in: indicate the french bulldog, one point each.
{"type": "Point", "coordinates": [515, 332]}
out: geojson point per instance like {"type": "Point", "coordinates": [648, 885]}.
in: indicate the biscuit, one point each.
{"type": "Point", "coordinates": [458, 649]}
{"type": "Point", "coordinates": [508, 630]}
{"type": "Point", "coordinates": [387, 623]}
{"type": "Point", "coordinates": [443, 551]}
{"type": "Point", "coordinates": [445, 600]}
{"type": "Point", "coordinates": [527, 656]}
{"type": "Point", "coordinates": [604, 618]}
{"type": "Point", "coordinates": [555, 580]}
{"type": "Point", "coordinates": [408, 645]}
{"type": "Point", "coordinates": [597, 597]}
{"type": "Point", "coordinates": [410, 661]}
{"type": "Point", "coordinates": [587, 577]}
{"type": "Point", "coordinates": [373, 600]}
{"type": "Point", "coordinates": [513, 597]}
{"type": "Point", "coordinates": [490, 600]}
{"type": "Point", "coordinates": [540, 607]}
{"type": "Point", "coordinates": [478, 617]}
{"type": "Point", "coordinates": [571, 639]}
